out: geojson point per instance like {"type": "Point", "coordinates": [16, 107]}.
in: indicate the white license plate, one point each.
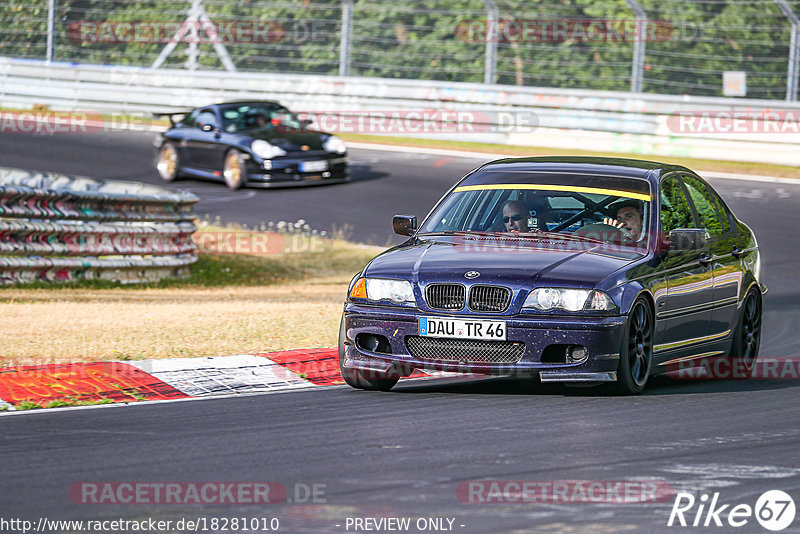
{"type": "Point", "coordinates": [462, 329]}
{"type": "Point", "coordinates": [313, 166]}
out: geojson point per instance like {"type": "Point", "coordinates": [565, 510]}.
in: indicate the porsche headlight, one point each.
{"type": "Point", "coordinates": [551, 298]}
{"type": "Point", "coordinates": [334, 144]}
{"type": "Point", "coordinates": [397, 291]}
{"type": "Point", "coordinates": [266, 150]}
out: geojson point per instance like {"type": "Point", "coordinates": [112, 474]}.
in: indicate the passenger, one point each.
{"type": "Point", "coordinates": [629, 215]}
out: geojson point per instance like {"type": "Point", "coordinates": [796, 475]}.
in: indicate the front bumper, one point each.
{"type": "Point", "coordinates": [602, 336]}
{"type": "Point", "coordinates": [285, 172]}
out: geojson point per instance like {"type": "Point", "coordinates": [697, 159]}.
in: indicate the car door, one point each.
{"type": "Point", "coordinates": [685, 308]}
{"type": "Point", "coordinates": [201, 146]}
{"type": "Point", "coordinates": [727, 267]}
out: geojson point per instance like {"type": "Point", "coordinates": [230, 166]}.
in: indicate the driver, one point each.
{"type": "Point", "coordinates": [261, 120]}
{"type": "Point", "coordinates": [515, 216]}
{"type": "Point", "coordinates": [629, 215]}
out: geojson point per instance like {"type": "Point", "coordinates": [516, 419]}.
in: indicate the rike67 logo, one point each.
{"type": "Point", "coordinates": [774, 510]}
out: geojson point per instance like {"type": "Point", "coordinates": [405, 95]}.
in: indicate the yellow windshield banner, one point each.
{"type": "Point", "coordinates": [567, 188]}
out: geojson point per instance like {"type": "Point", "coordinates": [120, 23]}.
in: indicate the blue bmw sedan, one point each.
{"type": "Point", "coordinates": [572, 269]}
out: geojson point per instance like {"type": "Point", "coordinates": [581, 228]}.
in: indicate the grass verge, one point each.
{"type": "Point", "coordinates": [232, 304]}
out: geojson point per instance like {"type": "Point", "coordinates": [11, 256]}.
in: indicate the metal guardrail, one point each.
{"type": "Point", "coordinates": [61, 228]}
{"type": "Point", "coordinates": [557, 118]}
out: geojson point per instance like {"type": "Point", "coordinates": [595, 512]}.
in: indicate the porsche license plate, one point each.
{"type": "Point", "coordinates": [313, 166]}
{"type": "Point", "coordinates": [462, 329]}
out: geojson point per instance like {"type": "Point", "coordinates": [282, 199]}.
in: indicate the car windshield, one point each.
{"type": "Point", "coordinates": [614, 214]}
{"type": "Point", "coordinates": [258, 116]}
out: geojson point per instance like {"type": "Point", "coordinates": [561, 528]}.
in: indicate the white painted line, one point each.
{"type": "Point", "coordinates": [244, 373]}
{"type": "Point", "coordinates": [432, 151]}
{"type": "Point", "coordinates": [486, 157]}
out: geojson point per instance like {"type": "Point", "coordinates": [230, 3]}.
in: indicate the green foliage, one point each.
{"type": "Point", "coordinates": [697, 42]}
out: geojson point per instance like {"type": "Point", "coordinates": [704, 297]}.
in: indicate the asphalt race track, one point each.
{"type": "Point", "coordinates": [404, 453]}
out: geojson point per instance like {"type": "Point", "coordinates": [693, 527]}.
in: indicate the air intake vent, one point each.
{"type": "Point", "coordinates": [464, 350]}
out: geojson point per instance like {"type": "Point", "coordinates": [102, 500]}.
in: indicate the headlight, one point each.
{"type": "Point", "coordinates": [334, 144]}
{"type": "Point", "coordinates": [377, 289]}
{"type": "Point", "coordinates": [550, 298]}
{"type": "Point", "coordinates": [266, 150]}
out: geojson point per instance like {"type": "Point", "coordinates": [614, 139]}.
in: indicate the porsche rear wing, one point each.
{"type": "Point", "coordinates": [170, 114]}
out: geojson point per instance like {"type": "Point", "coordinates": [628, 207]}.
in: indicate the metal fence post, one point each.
{"type": "Point", "coordinates": [794, 51]}
{"type": "Point", "coordinates": [196, 20]}
{"type": "Point", "coordinates": [346, 38]}
{"type": "Point", "coordinates": [639, 44]}
{"type": "Point", "coordinates": [51, 23]}
{"type": "Point", "coordinates": [492, 30]}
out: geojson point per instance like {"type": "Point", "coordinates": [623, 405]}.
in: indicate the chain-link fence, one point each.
{"type": "Point", "coordinates": [697, 47]}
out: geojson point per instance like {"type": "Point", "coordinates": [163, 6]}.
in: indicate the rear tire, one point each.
{"type": "Point", "coordinates": [234, 170]}
{"type": "Point", "coordinates": [168, 164]}
{"type": "Point", "coordinates": [636, 355]}
{"type": "Point", "coordinates": [355, 378]}
{"type": "Point", "coordinates": [747, 338]}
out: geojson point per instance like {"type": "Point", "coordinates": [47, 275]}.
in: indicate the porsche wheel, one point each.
{"type": "Point", "coordinates": [355, 378]}
{"type": "Point", "coordinates": [168, 164]}
{"type": "Point", "coordinates": [234, 171]}
{"type": "Point", "coordinates": [747, 338]}
{"type": "Point", "coordinates": [636, 356]}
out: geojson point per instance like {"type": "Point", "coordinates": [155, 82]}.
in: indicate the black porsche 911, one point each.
{"type": "Point", "coordinates": [255, 144]}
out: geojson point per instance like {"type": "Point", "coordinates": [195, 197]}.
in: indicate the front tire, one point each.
{"type": "Point", "coordinates": [747, 339]}
{"type": "Point", "coordinates": [636, 356]}
{"type": "Point", "coordinates": [168, 164]}
{"type": "Point", "coordinates": [355, 378]}
{"type": "Point", "coordinates": [234, 170]}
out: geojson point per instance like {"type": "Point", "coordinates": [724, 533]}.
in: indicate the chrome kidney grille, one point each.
{"type": "Point", "coordinates": [445, 296]}
{"type": "Point", "coordinates": [482, 298]}
{"type": "Point", "coordinates": [489, 298]}
{"type": "Point", "coordinates": [464, 350]}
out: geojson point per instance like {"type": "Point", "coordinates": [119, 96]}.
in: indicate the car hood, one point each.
{"type": "Point", "coordinates": [292, 140]}
{"type": "Point", "coordinates": [507, 260]}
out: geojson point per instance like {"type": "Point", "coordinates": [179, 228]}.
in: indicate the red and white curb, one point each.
{"type": "Point", "coordinates": [171, 379]}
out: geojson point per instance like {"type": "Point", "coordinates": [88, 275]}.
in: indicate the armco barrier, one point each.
{"type": "Point", "coordinates": [545, 117]}
{"type": "Point", "coordinates": [61, 228]}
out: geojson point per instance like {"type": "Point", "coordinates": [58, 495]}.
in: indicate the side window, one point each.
{"type": "Point", "coordinates": [705, 206]}
{"type": "Point", "coordinates": [189, 120]}
{"type": "Point", "coordinates": [675, 211]}
{"type": "Point", "coordinates": [206, 117]}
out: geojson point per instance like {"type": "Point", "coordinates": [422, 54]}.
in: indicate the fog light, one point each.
{"type": "Point", "coordinates": [577, 353]}
{"type": "Point", "coordinates": [326, 174]}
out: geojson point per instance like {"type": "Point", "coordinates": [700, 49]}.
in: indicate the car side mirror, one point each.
{"type": "Point", "coordinates": [404, 224]}
{"type": "Point", "coordinates": [687, 239]}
